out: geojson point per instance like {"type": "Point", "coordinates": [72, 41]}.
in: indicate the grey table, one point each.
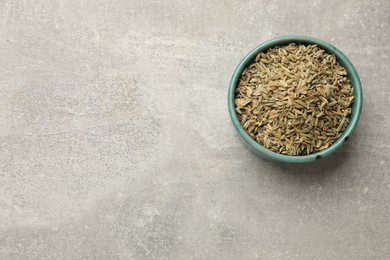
{"type": "Point", "coordinates": [115, 140]}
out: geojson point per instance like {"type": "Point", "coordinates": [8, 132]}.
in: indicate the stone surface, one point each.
{"type": "Point", "coordinates": [115, 140]}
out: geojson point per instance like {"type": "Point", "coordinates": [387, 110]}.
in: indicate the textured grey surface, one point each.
{"type": "Point", "coordinates": [115, 140]}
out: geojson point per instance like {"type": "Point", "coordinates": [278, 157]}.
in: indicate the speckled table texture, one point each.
{"type": "Point", "coordinates": [116, 143]}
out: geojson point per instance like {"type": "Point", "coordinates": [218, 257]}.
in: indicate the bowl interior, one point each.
{"type": "Point", "coordinates": [356, 106]}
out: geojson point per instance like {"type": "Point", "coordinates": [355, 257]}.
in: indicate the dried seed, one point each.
{"type": "Point", "coordinates": [294, 99]}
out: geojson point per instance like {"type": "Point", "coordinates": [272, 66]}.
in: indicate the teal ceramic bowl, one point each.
{"type": "Point", "coordinates": [356, 107]}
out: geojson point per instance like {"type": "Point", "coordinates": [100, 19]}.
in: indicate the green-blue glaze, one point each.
{"type": "Point", "coordinates": [356, 107]}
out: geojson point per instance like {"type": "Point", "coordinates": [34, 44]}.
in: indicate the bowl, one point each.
{"type": "Point", "coordinates": [356, 106]}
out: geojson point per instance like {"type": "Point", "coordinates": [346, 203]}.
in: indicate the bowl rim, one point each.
{"type": "Point", "coordinates": [303, 39]}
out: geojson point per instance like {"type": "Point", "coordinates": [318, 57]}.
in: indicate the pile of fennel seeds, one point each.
{"type": "Point", "coordinates": [294, 99]}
